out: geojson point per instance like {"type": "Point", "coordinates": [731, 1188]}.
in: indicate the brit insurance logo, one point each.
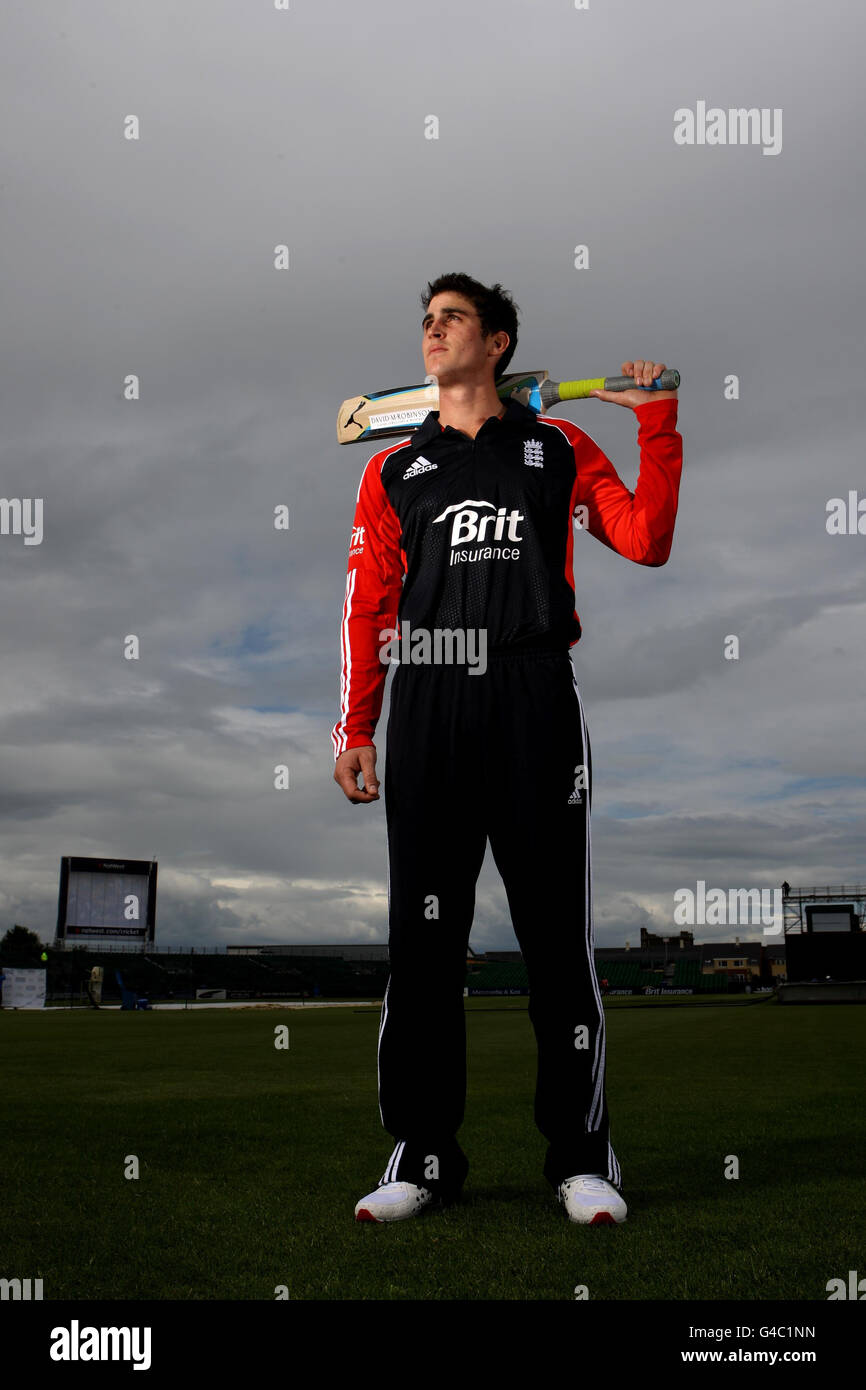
{"type": "Point", "coordinates": [356, 543]}
{"type": "Point", "coordinates": [470, 523]}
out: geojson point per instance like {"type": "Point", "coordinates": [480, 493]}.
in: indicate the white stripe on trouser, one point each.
{"type": "Point", "coordinates": [383, 1018]}
{"type": "Point", "coordinates": [594, 1118]}
{"type": "Point", "coordinates": [393, 1164]}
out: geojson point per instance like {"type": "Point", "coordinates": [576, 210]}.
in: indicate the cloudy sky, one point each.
{"type": "Point", "coordinates": [261, 126]}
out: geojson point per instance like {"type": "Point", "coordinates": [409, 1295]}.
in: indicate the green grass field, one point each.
{"type": "Point", "coordinates": [252, 1159]}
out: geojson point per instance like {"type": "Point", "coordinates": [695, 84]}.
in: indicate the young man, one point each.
{"type": "Point", "coordinates": [464, 528]}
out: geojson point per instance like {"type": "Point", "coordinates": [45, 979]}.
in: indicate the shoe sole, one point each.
{"type": "Point", "coordinates": [600, 1218]}
{"type": "Point", "coordinates": [365, 1215]}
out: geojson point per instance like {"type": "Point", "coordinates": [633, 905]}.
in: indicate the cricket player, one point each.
{"type": "Point", "coordinates": [461, 567]}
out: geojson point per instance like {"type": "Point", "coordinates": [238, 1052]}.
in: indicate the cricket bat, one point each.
{"type": "Point", "coordinates": [403, 408]}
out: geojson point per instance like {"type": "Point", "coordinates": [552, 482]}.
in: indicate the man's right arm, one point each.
{"type": "Point", "coordinates": [373, 587]}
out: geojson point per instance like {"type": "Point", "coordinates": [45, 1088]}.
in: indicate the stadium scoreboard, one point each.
{"type": "Point", "coordinates": [107, 899]}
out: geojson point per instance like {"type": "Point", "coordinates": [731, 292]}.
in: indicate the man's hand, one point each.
{"type": "Point", "coordinates": [347, 768]}
{"type": "Point", "coordinates": [645, 372]}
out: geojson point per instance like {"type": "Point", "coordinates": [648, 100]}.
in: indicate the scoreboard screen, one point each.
{"type": "Point", "coordinates": [107, 898]}
{"type": "Point", "coordinates": [832, 918]}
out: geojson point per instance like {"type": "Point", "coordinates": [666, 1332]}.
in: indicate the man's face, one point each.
{"type": "Point", "coordinates": [454, 349]}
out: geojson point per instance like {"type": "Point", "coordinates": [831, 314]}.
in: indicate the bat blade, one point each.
{"type": "Point", "coordinates": [384, 413]}
{"type": "Point", "coordinates": [402, 409]}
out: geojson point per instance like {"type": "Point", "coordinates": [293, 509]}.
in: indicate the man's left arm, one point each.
{"type": "Point", "coordinates": [638, 525]}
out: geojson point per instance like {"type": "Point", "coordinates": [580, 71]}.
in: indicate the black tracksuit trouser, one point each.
{"type": "Point", "coordinates": [472, 756]}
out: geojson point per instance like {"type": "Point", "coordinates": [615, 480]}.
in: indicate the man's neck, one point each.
{"type": "Point", "coordinates": [467, 408]}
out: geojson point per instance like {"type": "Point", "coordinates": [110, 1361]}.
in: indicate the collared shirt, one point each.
{"type": "Point", "coordinates": [452, 533]}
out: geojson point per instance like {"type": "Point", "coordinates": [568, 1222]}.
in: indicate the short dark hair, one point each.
{"type": "Point", "coordinates": [493, 305]}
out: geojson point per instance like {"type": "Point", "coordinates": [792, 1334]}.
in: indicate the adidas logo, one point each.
{"type": "Point", "coordinates": [533, 453]}
{"type": "Point", "coordinates": [579, 781]}
{"type": "Point", "coordinates": [421, 465]}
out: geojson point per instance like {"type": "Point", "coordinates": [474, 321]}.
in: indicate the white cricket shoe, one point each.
{"type": "Point", "coordinates": [592, 1200]}
{"type": "Point", "coordinates": [393, 1201]}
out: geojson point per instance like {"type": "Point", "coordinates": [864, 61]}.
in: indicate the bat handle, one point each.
{"type": "Point", "coordinates": [580, 390]}
{"type": "Point", "coordinates": [668, 381]}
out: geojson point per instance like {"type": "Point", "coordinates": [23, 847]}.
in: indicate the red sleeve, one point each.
{"type": "Point", "coordinates": [639, 524]}
{"type": "Point", "coordinates": [373, 587]}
